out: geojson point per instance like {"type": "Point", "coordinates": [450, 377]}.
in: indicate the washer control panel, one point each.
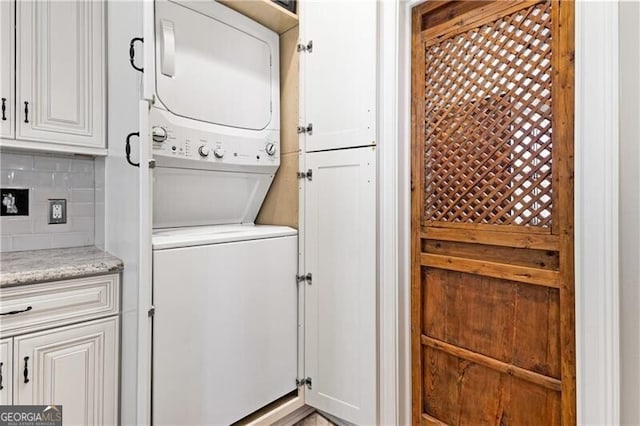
{"type": "Point", "coordinates": [199, 143]}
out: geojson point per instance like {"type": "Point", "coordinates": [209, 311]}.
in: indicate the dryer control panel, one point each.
{"type": "Point", "coordinates": [184, 139]}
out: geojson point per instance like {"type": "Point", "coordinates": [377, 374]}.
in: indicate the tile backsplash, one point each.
{"type": "Point", "coordinates": [48, 177]}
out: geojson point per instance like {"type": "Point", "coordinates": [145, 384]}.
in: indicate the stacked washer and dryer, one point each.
{"type": "Point", "coordinates": [225, 323]}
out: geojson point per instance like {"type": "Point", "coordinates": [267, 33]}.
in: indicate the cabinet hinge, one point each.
{"type": "Point", "coordinates": [301, 382]}
{"type": "Point", "coordinates": [152, 164]}
{"type": "Point", "coordinates": [152, 311]}
{"type": "Point", "coordinates": [308, 130]}
{"type": "Point", "coordinates": [306, 47]}
{"type": "Point", "coordinates": [302, 278]}
{"type": "Point", "coordinates": [305, 175]}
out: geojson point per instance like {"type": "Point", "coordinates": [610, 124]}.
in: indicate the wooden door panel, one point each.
{"type": "Point", "coordinates": [462, 392]}
{"type": "Point", "coordinates": [492, 213]}
{"type": "Point", "coordinates": [510, 322]}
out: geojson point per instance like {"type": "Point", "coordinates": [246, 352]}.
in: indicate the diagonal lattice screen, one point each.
{"type": "Point", "coordinates": [488, 123]}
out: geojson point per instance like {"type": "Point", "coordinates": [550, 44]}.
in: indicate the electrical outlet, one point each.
{"type": "Point", "coordinates": [57, 211]}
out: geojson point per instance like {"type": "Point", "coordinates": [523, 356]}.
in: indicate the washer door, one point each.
{"type": "Point", "coordinates": [214, 65]}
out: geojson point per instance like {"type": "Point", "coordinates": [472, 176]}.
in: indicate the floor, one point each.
{"type": "Point", "coordinates": [314, 419]}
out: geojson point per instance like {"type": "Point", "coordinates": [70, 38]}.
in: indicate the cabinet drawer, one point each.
{"type": "Point", "coordinates": [56, 303]}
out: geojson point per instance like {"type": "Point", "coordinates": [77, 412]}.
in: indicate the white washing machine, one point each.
{"type": "Point", "coordinates": [225, 322]}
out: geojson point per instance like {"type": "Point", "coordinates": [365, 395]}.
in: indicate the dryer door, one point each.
{"type": "Point", "coordinates": [214, 65]}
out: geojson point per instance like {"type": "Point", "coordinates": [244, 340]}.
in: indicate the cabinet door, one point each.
{"type": "Point", "coordinates": [6, 371]}
{"type": "Point", "coordinates": [338, 76]}
{"type": "Point", "coordinates": [340, 301]}
{"type": "Point", "coordinates": [74, 366]}
{"type": "Point", "coordinates": [60, 72]}
{"type": "Point", "coordinates": [7, 66]}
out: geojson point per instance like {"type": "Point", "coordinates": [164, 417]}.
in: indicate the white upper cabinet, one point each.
{"type": "Point", "coordinates": [7, 67]}
{"type": "Point", "coordinates": [60, 78]}
{"type": "Point", "coordinates": [338, 73]}
{"type": "Point", "coordinates": [340, 302]}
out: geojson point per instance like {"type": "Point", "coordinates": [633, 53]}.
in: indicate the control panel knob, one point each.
{"type": "Point", "coordinates": [218, 152]}
{"type": "Point", "coordinates": [158, 134]}
{"type": "Point", "coordinates": [203, 151]}
{"type": "Point", "coordinates": [270, 148]}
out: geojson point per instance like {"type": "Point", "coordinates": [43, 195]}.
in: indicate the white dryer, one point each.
{"type": "Point", "coordinates": [217, 108]}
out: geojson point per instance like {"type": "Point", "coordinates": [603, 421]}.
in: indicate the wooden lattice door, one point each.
{"type": "Point", "coordinates": [492, 213]}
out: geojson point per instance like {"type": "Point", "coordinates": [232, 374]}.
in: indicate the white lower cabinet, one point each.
{"type": "Point", "coordinates": [74, 364]}
{"type": "Point", "coordinates": [6, 371]}
{"type": "Point", "coordinates": [71, 366]}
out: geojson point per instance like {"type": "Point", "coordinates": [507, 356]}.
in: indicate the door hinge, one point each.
{"type": "Point", "coordinates": [308, 130]}
{"type": "Point", "coordinates": [305, 175]}
{"type": "Point", "coordinates": [306, 47]}
{"type": "Point", "coordinates": [301, 382]}
{"type": "Point", "coordinates": [152, 311]}
{"type": "Point", "coordinates": [302, 278]}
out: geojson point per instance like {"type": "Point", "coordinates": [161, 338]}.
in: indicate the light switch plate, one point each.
{"type": "Point", "coordinates": [57, 211]}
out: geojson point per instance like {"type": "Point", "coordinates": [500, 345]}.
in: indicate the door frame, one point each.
{"type": "Point", "coordinates": [596, 230]}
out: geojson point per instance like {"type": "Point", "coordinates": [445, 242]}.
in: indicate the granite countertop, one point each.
{"type": "Point", "coordinates": [34, 266]}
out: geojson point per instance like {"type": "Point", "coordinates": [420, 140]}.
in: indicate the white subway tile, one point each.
{"type": "Point", "coordinates": [82, 195]}
{"type": "Point", "coordinates": [7, 177]}
{"type": "Point", "coordinates": [80, 209]}
{"type": "Point", "coordinates": [82, 165]}
{"type": "Point", "coordinates": [15, 225]}
{"type": "Point", "coordinates": [41, 225]}
{"type": "Point", "coordinates": [72, 239]}
{"type": "Point", "coordinates": [31, 242]}
{"type": "Point", "coordinates": [11, 161]}
{"type": "Point", "coordinates": [5, 243]}
{"type": "Point", "coordinates": [32, 179]}
{"type": "Point", "coordinates": [43, 195]}
{"type": "Point", "coordinates": [56, 164]}
{"type": "Point", "coordinates": [82, 224]}
{"type": "Point", "coordinates": [51, 177]}
{"type": "Point", "coordinates": [62, 180]}
{"type": "Point", "coordinates": [81, 180]}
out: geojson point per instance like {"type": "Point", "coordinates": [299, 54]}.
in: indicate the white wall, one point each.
{"type": "Point", "coordinates": [630, 212]}
{"type": "Point", "coordinates": [48, 177]}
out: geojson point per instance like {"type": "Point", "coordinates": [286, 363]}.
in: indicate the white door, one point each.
{"type": "Point", "coordinates": [6, 371]}
{"type": "Point", "coordinates": [74, 366]}
{"type": "Point", "coordinates": [60, 86]}
{"type": "Point", "coordinates": [7, 64]}
{"type": "Point", "coordinates": [340, 301]}
{"type": "Point", "coordinates": [338, 75]}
